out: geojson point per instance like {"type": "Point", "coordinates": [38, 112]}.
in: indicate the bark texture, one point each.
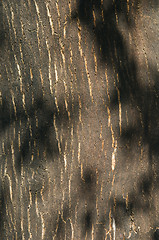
{"type": "Point", "coordinates": [79, 119]}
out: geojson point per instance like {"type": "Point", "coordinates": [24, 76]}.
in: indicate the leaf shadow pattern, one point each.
{"type": "Point", "coordinates": [106, 34]}
{"type": "Point", "coordinates": [37, 125]}
{"type": "Point", "coordinates": [110, 42]}
{"type": "Point", "coordinates": [112, 50]}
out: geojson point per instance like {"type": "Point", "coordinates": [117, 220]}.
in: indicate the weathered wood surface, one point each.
{"type": "Point", "coordinates": [79, 113]}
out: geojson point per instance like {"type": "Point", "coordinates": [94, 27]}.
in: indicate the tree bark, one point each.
{"type": "Point", "coordinates": [79, 106]}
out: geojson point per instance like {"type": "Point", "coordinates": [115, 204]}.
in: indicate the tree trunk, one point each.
{"type": "Point", "coordinates": [79, 106]}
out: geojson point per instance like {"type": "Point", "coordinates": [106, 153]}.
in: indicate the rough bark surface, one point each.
{"type": "Point", "coordinates": [79, 119]}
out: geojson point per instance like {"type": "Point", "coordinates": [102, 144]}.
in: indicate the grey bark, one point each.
{"type": "Point", "coordinates": [79, 133]}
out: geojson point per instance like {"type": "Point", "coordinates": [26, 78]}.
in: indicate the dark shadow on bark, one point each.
{"type": "Point", "coordinates": [112, 50]}
{"type": "Point", "coordinates": [39, 132]}
{"type": "Point", "coordinates": [156, 235]}
{"type": "Point", "coordinates": [88, 182]}
{"type": "Point", "coordinates": [88, 193]}
{"type": "Point", "coordinates": [86, 223]}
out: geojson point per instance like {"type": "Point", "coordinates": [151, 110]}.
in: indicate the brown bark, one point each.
{"type": "Point", "coordinates": [79, 119]}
